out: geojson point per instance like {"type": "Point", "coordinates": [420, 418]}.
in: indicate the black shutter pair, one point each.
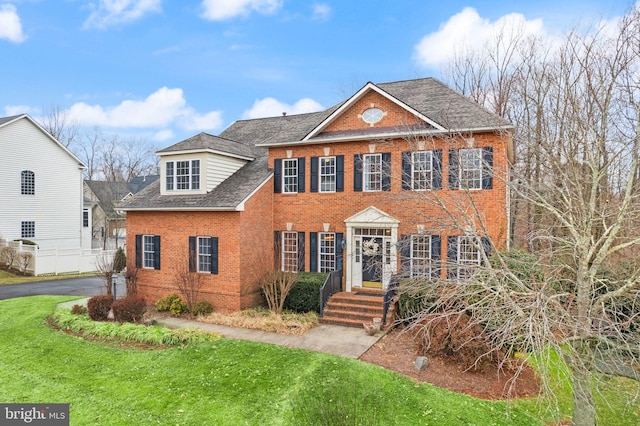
{"type": "Point", "coordinates": [487, 168]}
{"type": "Point", "coordinates": [140, 251]}
{"type": "Point", "coordinates": [277, 175]}
{"type": "Point", "coordinates": [452, 254]}
{"type": "Point", "coordinates": [277, 250]}
{"type": "Point", "coordinates": [405, 255]}
{"type": "Point", "coordinates": [436, 179]}
{"type": "Point", "coordinates": [315, 174]}
{"type": "Point", "coordinates": [193, 254]}
{"type": "Point", "coordinates": [314, 248]}
{"type": "Point", "coordinates": [358, 172]}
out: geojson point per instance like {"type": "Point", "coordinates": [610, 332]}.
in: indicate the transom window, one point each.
{"type": "Point", "coordinates": [471, 168]}
{"type": "Point", "coordinates": [327, 174]}
{"type": "Point", "coordinates": [469, 255]}
{"type": "Point", "coordinates": [28, 229]}
{"type": "Point", "coordinates": [372, 172]}
{"type": "Point", "coordinates": [420, 255]}
{"type": "Point", "coordinates": [27, 182]}
{"type": "Point", "coordinates": [421, 170]}
{"type": "Point", "coordinates": [290, 176]}
{"type": "Point", "coordinates": [204, 254]}
{"type": "Point", "coordinates": [148, 248]}
{"type": "Point", "coordinates": [327, 252]}
{"type": "Point", "coordinates": [290, 251]}
{"type": "Point", "coordinates": [183, 175]}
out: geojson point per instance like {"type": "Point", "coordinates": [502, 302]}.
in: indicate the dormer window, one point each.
{"type": "Point", "coordinates": [183, 175]}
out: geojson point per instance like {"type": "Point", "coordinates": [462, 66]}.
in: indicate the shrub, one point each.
{"type": "Point", "coordinates": [164, 304]}
{"type": "Point", "coordinates": [178, 307]}
{"type": "Point", "coordinates": [305, 295]}
{"type": "Point", "coordinates": [202, 308]}
{"type": "Point", "coordinates": [79, 310]}
{"type": "Point", "coordinates": [99, 306]}
{"type": "Point", "coordinates": [119, 260]}
{"type": "Point", "coordinates": [129, 309]}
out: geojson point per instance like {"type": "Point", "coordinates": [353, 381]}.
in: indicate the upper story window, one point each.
{"type": "Point", "coordinates": [327, 174]}
{"type": "Point", "coordinates": [372, 172]}
{"type": "Point", "coordinates": [28, 229]}
{"type": "Point", "coordinates": [182, 175]}
{"type": "Point", "coordinates": [471, 168]}
{"type": "Point", "coordinates": [27, 182]}
{"type": "Point", "coordinates": [422, 170]}
{"type": "Point", "coordinates": [290, 176]}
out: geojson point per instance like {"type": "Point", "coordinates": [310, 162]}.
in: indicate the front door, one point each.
{"type": "Point", "coordinates": [372, 262]}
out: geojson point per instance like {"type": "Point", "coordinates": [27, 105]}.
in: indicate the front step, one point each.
{"type": "Point", "coordinates": [354, 308]}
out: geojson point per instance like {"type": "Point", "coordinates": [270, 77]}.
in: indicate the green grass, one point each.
{"type": "Point", "coordinates": [9, 278]}
{"type": "Point", "coordinates": [225, 382]}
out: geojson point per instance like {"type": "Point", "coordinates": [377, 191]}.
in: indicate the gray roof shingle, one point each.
{"type": "Point", "coordinates": [205, 141]}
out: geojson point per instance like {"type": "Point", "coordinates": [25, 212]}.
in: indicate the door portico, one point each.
{"type": "Point", "coordinates": [371, 253]}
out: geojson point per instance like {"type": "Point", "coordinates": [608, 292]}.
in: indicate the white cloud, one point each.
{"type": "Point", "coordinates": [10, 26]}
{"type": "Point", "coordinates": [113, 12]}
{"type": "Point", "coordinates": [163, 135]}
{"type": "Point", "coordinates": [321, 11]}
{"type": "Point", "coordinates": [219, 10]}
{"type": "Point", "coordinates": [11, 110]}
{"type": "Point", "coordinates": [469, 30]}
{"type": "Point", "coordinates": [165, 107]}
{"type": "Point", "coordinates": [270, 107]}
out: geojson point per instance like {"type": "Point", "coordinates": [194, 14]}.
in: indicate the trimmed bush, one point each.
{"type": "Point", "coordinates": [164, 304]}
{"type": "Point", "coordinates": [178, 307]}
{"type": "Point", "coordinates": [305, 295]}
{"type": "Point", "coordinates": [99, 307]}
{"type": "Point", "coordinates": [119, 260]}
{"type": "Point", "coordinates": [202, 308]}
{"type": "Point", "coordinates": [129, 309]}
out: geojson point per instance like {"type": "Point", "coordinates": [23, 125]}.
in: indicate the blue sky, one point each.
{"type": "Point", "coordinates": [162, 71]}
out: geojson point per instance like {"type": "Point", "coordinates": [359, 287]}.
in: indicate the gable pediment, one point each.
{"type": "Point", "coordinates": [371, 216]}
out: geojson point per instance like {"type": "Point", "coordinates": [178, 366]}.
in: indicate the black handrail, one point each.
{"type": "Point", "coordinates": [332, 284]}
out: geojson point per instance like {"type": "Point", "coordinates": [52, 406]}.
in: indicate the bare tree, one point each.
{"type": "Point", "coordinates": [188, 280]}
{"type": "Point", "coordinates": [104, 264]}
{"type": "Point", "coordinates": [56, 121]}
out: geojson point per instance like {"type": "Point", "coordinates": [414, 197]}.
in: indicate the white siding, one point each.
{"type": "Point", "coordinates": [220, 168]}
{"type": "Point", "coordinates": [56, 207]}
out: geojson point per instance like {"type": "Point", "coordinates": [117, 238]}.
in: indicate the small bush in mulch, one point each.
{"type": "Point", "coordinates": [99, 307]}
{"type": "Point", "coordinates": [202, 308]}
{"type": "Point", "coordinates": [79, 310]}
{"type": "Point", "coordinates": [173, 304]}
{"type": "Point", "coordinates": [129, 309]}
{"type": "Point", "coordinates": [456, 338]}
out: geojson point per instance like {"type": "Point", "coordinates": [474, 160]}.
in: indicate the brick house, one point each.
{"type": "Point", "coordinates": [405, 176]}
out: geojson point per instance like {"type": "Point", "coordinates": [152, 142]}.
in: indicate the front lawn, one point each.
{"type": "Point", "coordinates": [225, 382]}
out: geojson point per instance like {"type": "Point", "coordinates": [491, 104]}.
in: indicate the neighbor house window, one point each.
{"type": "Point", "coordinates": [28, 229]}
{"type": "Point", "coordinates": [290, 176]}
{"type": "Point", "coordinates": [182, 175]}
{"type": "Point", "coordinates": [290, 251]}
{"type": "Point", "coordinates": [27, 182]}
{"type": "Point", "coordinates": [372, 172]}
{"type": "Point", "coordinates": [327, 252]}
{"type": "Point", "coordinates": [85, 218]}
{"type": "Point", "coordinates": [327, 174]}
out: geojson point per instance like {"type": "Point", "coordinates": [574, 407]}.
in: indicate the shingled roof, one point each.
{"type": "Point", "coordinates": [206, 142]}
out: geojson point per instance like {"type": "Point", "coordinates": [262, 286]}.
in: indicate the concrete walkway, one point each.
{"type": "Point", "coordinates": [332, 339]}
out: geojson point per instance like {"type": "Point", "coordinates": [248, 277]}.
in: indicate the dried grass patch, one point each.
{"type": "Point", "coordinates": [265, 320]}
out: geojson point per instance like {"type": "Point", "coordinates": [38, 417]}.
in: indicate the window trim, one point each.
{"type": "Point", "coordinates": [428, 181]}
{"type": "Point", "coordinates": [477, 168]}
{"type": "Point", "coordinates": [327, 261]}
{"type": "Point", "coordinates": [368, 174]}
{"type": "Point", "coordinates": [321, 162]}
{"type": "Point", "coordinates": [28, 229]}
{"type": "Point", "coordinates": [148, 263]}
{"type": "Point", "coordinates": [288, 187]}
{"type": "Point", "coordinates": [192, 178]}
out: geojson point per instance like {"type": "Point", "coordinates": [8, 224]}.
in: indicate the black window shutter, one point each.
{"type": "Point", "coordinates": [156, 252]}
{"type": "Point", "coordinates": [301, 173]}
{"type": "Point", "coordinates": [193, 256]}
{"type": "Point", "coordinates": [338, 250]}
{"type": "Point", "coordinates": [138, 251]}
{"type": "Point", "coordinates": [436, 250]}
{"type": "Point", "coordinates": [300, 251]}
{"type": "Point", "coordinates": [437, 169]}
{"type": "Point", "coordinates": [406, 170]}
{"type": "Point", "coordinates": [486, 246]}
{"type": "Point", "coordinates": [277, 253]}
{"type": "Point", "coordinates": [313, 182]}
{"type": "Point", "coordinates": [405, 255]}
{"type": "Point", "coordinates": [453, 169]}
{"type": "Point", "coordinates": [214, 255]}
{"type": "Point", "coordinates": [452, 257]}
{"type": "Point", "coordinates": [357, 172]}
{"type": "Point", "coordinates": [277, 175]}
{"type": "Point", "coordinates": [487, 167]}
{"type": "Point", "coordinates": [339, 173]}
{"type": "Point", "coordinates": [313, 251]}
{"type": "Point", "coordinates": [386, 171]}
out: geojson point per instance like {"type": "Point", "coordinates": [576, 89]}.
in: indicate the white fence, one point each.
{"type": "Point", "coordinates": [58, 261]}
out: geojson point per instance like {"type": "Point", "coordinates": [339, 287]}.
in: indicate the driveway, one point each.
{"type": "Point", "coordinates": [86, 286]}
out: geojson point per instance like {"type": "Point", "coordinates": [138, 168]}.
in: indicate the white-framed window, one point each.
{"type": "Point", "coordinates": [27, 182]}
{"type": "Point", "coordinates": [290, 251]}
{"type": "Point", "coordinates": [421, 170]}
{"type": "Point", "coordinates": [290, 176]}
{"type": "Point", "coordinates": [372, 172]}
{"type": "Point", "coordinates": [148, 251]}
{"type": "Point", "coordinates": [420, 255]}
{"type": "Point", "coordinates": [327, 174]}
{"type": "Point", "coordinates": [469, 255]}
{"type": "Point", "coordinates": [327, 252]}
{"type": "Point", "coordinates": [204, 254]}
{"type": "Point", "coordinates": [470, 168]}
{"type": "Point", "coordinates": [28, 229]}
{"type": "Point", "coordinates": [85, 218]}
{"type": "Point", "coordinates": [182, 175]}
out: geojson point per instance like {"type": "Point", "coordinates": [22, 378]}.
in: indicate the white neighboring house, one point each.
{"type": "Point", "coordinates": [41, 199]}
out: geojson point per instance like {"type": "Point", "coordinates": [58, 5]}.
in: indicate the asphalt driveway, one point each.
{"type": "Point", "coordinates": [86, 286]}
